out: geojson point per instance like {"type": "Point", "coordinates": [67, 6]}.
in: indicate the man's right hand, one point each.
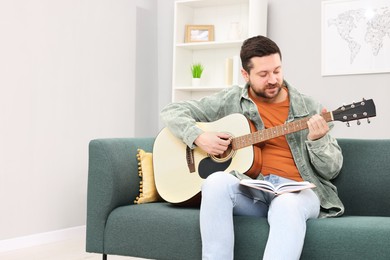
{"type": "Point", "coordinates": [213, 143]}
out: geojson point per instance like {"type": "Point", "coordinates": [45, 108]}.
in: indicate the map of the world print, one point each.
{"type": "Point", "coordinates": [355, 37]}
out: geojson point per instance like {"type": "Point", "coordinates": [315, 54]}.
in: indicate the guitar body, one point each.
{"type": "Point", "coordinates": [174, 180]}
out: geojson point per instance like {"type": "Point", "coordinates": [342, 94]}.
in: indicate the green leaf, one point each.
{"type": "Point", "coordinates": [197, 70]}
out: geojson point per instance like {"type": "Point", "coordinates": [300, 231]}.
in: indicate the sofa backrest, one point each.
{"type": "Point", "coordinates": [364, 181]}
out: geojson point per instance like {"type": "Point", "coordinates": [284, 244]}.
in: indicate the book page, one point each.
{"type": "Point", "coordinates": [280, 189]}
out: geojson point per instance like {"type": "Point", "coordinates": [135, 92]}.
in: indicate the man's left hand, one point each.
{"type": "Point", "coordinates": [318, 127]}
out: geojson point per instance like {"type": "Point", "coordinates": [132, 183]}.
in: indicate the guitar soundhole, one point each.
{"type": "Point", "coordinates": [208, 166]}
{"type": "Point", "coordinates": [227, 155]}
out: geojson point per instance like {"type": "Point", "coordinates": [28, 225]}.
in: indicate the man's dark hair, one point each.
{"type": "Point", "coordinates": [257, 46]}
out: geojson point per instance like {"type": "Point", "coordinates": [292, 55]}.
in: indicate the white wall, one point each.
{"type": "Point", "coordinates": [165, 54]}
{"type": "Point", "coordinates": [67, 73]}
{"type": "Point", "coordinates": [146, 69]}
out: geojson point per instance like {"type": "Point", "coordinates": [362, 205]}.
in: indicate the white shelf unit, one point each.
{"type": "Point", "coordinates": [251, 15]}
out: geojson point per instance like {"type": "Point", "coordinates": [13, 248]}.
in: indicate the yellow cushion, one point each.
{"type": "Point", "coordinates": [148, 191]}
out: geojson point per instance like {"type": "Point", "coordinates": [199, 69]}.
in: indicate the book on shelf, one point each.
{"type": "Point", "coordinates": [278, 189]}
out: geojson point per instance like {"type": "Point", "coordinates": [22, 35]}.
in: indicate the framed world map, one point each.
{"type": "Point", "coordinates": [355, 37]}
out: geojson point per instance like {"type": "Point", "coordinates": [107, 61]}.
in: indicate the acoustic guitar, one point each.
{"type": "Point", "coordinates": [179, 171]}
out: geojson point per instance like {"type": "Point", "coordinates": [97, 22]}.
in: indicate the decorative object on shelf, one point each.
{"type": "Point", "coordinates": [195, 82]}
{"type": "Point", "coordinates": [237, 78]}
{"type": "Point", "coordinates": [233, 71]}
{"type": "Point", "coordinates": [228, 71]}
{"type": "Point", "coordinates": [234, 31]}
{"type": "Point", "coordinates": [199, 33]}
{"type": "Point", "coordinates": [196, 70]}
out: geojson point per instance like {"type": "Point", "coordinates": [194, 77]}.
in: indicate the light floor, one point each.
{"type": "Point", "coordinates": [73, 249]}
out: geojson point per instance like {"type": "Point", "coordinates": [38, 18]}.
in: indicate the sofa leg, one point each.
{"type": "Point", "coordinates": [104, 256]}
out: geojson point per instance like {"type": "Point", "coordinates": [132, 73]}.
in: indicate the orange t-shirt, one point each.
{"type": "Point", "coordinates": [276, 154]}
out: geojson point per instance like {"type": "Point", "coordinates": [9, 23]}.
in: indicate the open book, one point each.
{"type": "Point", "coordinates": [279, 189]}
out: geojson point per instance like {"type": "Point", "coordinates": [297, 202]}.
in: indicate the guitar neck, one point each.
{"type": "Point", "coordinates": [270, 133]}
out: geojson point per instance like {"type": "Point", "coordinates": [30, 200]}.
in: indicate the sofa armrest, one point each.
{"type": "Point", "coordinates": [113, 181]}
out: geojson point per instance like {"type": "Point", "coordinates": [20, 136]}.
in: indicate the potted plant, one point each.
{"type": "Point", "coordinates": [196, 70]}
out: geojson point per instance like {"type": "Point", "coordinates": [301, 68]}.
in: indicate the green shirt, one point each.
{"type": "Point", "coordinates": [318, 161]}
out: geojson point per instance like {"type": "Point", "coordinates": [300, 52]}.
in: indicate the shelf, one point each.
{"type": "Point", "coordinates": [200, 88]}
{"type": "Point", "coordinates": [219, 57]}
{"type": "Point", "coordinates": [208, 3]}
{"type": "Point", "coordinates": [209, 45]}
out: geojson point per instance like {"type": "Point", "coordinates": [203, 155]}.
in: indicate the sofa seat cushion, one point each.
{"type": "Point", "coordinates": [348, 237]}
{"type": "Point", "coordinates": [162, 231]}
{"type": "Point", "coordinates": [153, 230]}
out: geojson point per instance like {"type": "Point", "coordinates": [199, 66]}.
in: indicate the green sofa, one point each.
{"type": "Point", "coordinates": [117, 226]}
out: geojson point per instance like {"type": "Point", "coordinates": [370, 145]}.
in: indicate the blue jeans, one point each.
{"type": "Point", "coordinates": [223, 197]}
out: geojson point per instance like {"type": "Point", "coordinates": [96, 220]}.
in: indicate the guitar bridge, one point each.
{"type": "Point", "coordinates": [190, 159]}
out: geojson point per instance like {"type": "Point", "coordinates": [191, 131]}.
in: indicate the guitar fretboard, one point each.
{"type": "Point", "coordinates": [270, 133]}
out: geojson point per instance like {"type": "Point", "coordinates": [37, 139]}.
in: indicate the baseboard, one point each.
{"type": "Point", "coordinates": [41, 238]}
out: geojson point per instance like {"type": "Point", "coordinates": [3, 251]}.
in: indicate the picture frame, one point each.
{"type": "Point", "coordinates": [199, 33]}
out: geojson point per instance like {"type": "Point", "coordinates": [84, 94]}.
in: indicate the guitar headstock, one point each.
{"type": "Point", "coordinates": [355, 111]}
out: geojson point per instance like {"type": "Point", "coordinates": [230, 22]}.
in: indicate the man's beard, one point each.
{"type": "Point", "coordinates": [263, 94]}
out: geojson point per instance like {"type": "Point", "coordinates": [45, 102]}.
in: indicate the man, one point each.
{"type": "Point", "coordinates": [311, 155]}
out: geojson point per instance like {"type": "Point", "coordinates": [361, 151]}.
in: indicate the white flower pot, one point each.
{"type": "Point", "coordinates": [195, 82]}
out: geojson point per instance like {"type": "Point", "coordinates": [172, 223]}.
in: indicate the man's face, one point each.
{"type": "Point", "coordinates": [265, 78]}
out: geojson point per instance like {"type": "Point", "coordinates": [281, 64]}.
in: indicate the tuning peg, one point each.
{"type": "Point", "coordinates": [358, 122]}
{"type": "Point", "coordinates": [348, 124]}
{"type": "Point", "coordinates": [368, 120]}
